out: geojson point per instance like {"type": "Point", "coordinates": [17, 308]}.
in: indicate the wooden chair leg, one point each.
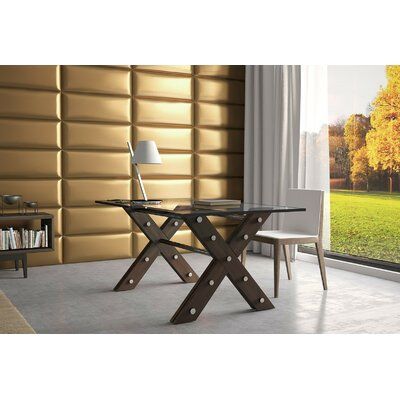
{"type": "Point", "coordinates": [277, 262]}
{"type": "Point", "coordinates": [16, 264]}
{"type": "Point", "coordinates": [243, 257]}
{"type": "Point", "coordinates": [286, 251]}
{"type": "Point", "coordinates": [321, 262]}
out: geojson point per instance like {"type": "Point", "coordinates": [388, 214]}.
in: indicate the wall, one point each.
{"type": "Point", "coordinates": [63, 134]}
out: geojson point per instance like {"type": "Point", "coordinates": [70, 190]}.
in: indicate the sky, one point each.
{"type": "Point", "coordinates": [352, 88]}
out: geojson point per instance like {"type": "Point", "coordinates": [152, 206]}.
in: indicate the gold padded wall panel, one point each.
{"type": "Point", "coordinates": [29, 104]}
{"type": "Point", "coordinates": [219, 90]}
{"type": "Point", "coordinates": [226, 231]}
{"type": "Point", "coordinates": [164, 188]}
{"type": "Point", "coordinates": [219, 221]}
{"type": "Point", "coordinates": [178, 69]}
{"type": "Point", "coordinates": [91, 136]}
{"type": "Point", "coordinates": [170, 139]}
{"type": "Point", "coordinates": [219, 115]}
{"type": "Point", "coordinates": [47, 191]}
{"type": "Point", "coordinates": [57, 220]}
{"type": "Point", "coordinates": [30, 76]}
{"type": "Point", "coordinates": [128, 67]}
{"type": "Point", "coordinates": [230, 165]}
{"type": "Point", "coordinates": [219, 141]}
{"type": "Point", "coordinates": [92, 220]}
{"type": "Point", "coordinates": [96, 164]}
{"type": "Point", "coordinates": [97, 247]}
{"type": "Point", "coordinates": [33, 163]}
{"type": "Point", "coordinates": [173, 165]}
{"type": "Point", "coordinates": [30, 134]}
{"type": "Point", "coordinates": [182, 236]}
{"type": "Point", "coordinates": [187, 110]}
{"type": "Point", "coordinates": [153, 85]}
{"type": "Point", "coordinates": [228, 188]}
{"type": "Point", "coordinates": [83, 107]}
{"type": "Point", "coordinates": [218, 136]}
{"type": "Point", "coordinates": [96, 80]}
{"type": "Point", "coordinates": [222, 71]}
{"type": "Point", "coordinates": [83, 192]}
{"type": "Point", "coordinates": [48, 258]}
{"type": "Point", "coordinates": [162, 112]}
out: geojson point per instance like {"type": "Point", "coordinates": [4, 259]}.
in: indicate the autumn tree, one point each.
{"type": "Point", "coordinates": [355, 131]}
{"type": "Point", "coordinates": [360, 169]}
{"type": "Point", "coordinates": [339, 151]}
{"type": "Point", "coordinates": [383, 140]}
{"type": "Point", "coordinates": [337, 128]}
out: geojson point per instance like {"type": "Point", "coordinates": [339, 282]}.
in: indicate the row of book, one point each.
{"type": "Point", "coordinates": [13, 239]}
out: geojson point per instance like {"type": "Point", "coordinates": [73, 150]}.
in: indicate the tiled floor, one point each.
{"type": "Point", "coordinates": [78, 298]}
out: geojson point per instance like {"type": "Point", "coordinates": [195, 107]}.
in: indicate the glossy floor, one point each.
{"type": "Point", "coordinates": [78, 298]}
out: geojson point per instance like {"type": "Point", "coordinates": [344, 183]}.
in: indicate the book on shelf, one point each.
{"type": "Point", "coordinates": [217, 202]}
{"type": "Point", "coordinates": [16, 239]}
{"type": "Point", "coordinates": [13, 242]}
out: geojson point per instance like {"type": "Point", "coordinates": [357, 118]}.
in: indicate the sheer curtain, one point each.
{"type": "Point", "coordinates": [314, 137]}
{"type": "Point", "coordinates": [286, 137]}
{"type": "Point", "coordinates": [272, 125]}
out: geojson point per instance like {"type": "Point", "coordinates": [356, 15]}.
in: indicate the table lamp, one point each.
{"type": "Point", "coordinates": [146, 152]}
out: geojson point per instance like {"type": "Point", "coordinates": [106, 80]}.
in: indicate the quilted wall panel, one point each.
{"type": "Point", "coordinates": [219, 134]}
{"type": "Point", "coordinates": [30, 142]}
{"type": "Point", "coordinates": [163, 103]}
{"type": "Point", "coordinates": [70, 125]}
{"type": "Point", "coordinates": [95, 99]}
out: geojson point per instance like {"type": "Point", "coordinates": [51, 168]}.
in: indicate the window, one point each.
{"type": "Point", "coordinates": [364, 152]}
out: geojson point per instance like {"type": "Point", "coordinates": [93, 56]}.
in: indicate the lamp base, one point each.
{"type": "Point", "coordinates": [146, 202]}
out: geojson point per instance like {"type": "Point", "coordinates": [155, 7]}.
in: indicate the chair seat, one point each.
{"type": "Point", "coordinates": [282, 235]}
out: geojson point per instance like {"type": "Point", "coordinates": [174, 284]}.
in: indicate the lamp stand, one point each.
{"type": "Point", "coordinates": [140, 181]}
{"type": "Point", "coordinates": [137, 172]}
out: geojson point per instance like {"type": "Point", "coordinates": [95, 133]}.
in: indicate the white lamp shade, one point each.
{"type": "Point", "coordinates": [146, 153]}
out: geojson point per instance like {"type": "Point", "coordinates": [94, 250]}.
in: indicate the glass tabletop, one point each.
{"type": "Point", "coordinates": [180, 208]}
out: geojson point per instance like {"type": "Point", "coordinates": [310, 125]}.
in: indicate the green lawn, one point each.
{"type": "Point", "coordinates": [366, 224]}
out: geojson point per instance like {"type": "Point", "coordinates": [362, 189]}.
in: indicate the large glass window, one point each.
{"type": "Point", "coordinates": [364, 150]}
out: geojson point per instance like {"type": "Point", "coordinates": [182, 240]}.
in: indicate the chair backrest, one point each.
{"type": "Point", "coordinates": [310, 221]}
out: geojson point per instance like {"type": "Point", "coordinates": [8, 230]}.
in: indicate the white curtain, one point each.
{"type": "Point", "coordinates": [272, 126]}
{"type": "Point", "coordinates": [314, 138]}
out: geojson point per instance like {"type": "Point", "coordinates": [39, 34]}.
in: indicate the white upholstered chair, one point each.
{"type": "Point", "coordinates": [297, 228]}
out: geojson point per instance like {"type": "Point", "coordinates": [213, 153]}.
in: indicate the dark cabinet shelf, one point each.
{"type": "Point", "coordinates": [32, 250]}
{"type": "Point", "coordinates": [26, 217]}
{"type": "Point", "coordinates": [17, 255]}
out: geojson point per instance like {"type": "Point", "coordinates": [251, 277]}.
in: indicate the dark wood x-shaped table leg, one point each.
{"type": "Point", "coordinates": [153, 249]}
{"type": "Point", "coordinates": [225, 263]}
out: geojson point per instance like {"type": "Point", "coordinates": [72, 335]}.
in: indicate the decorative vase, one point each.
{"type": "Point", "coordinates": [32, 205]}
{"type": "Point", "coordinates": [11, 199]}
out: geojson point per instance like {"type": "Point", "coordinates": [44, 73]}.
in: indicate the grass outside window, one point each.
{"type": "Point", "coordinates": [366, 224]}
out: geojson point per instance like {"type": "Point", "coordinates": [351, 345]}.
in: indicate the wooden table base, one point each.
{"type": "Point", "coordinates": [225, 263]}
{"type": "Point", "coordinates": [153, 249]}
{"type": "Point", "coordinates": [225, 260]}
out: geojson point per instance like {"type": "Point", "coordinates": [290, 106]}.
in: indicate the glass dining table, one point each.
{"type": "Point", "coordinates": [224, 252]}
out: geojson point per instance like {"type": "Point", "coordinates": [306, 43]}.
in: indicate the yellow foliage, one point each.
{"type": "Point", "coordinates": [355, 129]}
{"type": "Point", "coordinates": [383, 140]}
{"type": "Point", "coordinates": [359, 166]}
